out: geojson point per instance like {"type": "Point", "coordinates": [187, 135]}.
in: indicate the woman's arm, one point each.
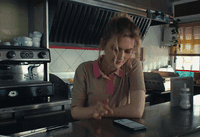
{"type": "Point", "coordinates": [79, 113]}
{"type": "Point", "coordinates": [79, 97]}
{"type": "Point", "coordinates": [95, 111]}
{"type": "Point", "coordinates": [133, 110]}
{"type": "Point", "coordinates": [137, 94]}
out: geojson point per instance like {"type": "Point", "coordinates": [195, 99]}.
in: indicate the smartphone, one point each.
{"type": "Point", "coordinates": [129, 124]}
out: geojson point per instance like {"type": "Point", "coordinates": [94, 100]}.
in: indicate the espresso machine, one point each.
{"type": "Point", "coordinates": [22, 73]}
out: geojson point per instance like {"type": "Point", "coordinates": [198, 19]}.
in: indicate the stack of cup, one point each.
{"type": "Point", "coordinates": [17, 41]}
{"type": "Point", "coordinates": [36, 37]}
{"type": "Point", "coordinates": [26, 41]}
{"type": "Point", "coordinates": [7, 43]}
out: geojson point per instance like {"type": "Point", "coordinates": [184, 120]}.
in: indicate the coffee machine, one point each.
{"type": "Point", "coordinates": [22, 73]}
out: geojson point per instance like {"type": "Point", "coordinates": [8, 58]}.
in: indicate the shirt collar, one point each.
{"type": "Point", "coordinates": [97, 71]}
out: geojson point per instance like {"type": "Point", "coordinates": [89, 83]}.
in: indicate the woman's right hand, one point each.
{"type": "Point", "coordinates": [101, 109]}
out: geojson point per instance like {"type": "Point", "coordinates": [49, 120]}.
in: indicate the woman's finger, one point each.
{"type": "Point", "coordinates": [106, 107]}
{"type": "Point", "coordinates": [95, 115]}
{"type": "Point", "coordinates": [106, 101]}
{"type": "Point", "coordinates": [102, 110]}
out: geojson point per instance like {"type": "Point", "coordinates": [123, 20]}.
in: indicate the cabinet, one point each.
{"type": "Point", "coordinates": [28, 117]}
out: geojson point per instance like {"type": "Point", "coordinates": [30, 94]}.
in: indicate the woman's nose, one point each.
{"type": "Point", "coordinates": [121, 55]}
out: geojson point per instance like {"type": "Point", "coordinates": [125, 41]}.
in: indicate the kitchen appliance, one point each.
{"type": "Point", "coordinates": [82, 22]}
{"type": "Point", "coordinates": [62, 86]}
{"type": "Point", "coordinates": [22, 73]}
{"type": "Point", "coordinates": [154, 82]}
{"type": "Point", "coordinates": [158, 81]}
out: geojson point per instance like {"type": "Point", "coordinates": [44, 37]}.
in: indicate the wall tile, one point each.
{"type": "Point", "coordinates": [54, 56]}
{"type": "Point", "coordinates": [155, 56]}
{"type": "Point", "coordinates": [70, 70]}
{"type": "Point", "coordinates": [70, 56]}
{"type": "Point", "coordinates": [89, 55]}
{"type": "Point", "coordinates": [59, 65]}
{"type": "Point", "coordinates": [77, 63]}
{"type": "Point", "coordinates": [67, 60]}
{"type": "Point", "coordinates": [80, 52]}
{"type": "Point", "coordinates": [60, 51]}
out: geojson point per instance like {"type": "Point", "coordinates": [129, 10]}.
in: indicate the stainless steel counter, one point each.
{"type": "Point", "coordinates": [161, 120]}
{"type": "Point", "coordinates": [33, 114]}
{"type": "Point", "coordinates": [22, 106]}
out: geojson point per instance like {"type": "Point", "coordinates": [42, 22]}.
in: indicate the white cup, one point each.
{"type": "Point", "coordinates": [15, 39]}
{"type": "Point", "coordinates": [26, 41]}
{"type": "Point", "coordinates": [37, 34]}
{"type": "Point", "coordinates": [18, 40]}
{"type": "Point", "coordinates": [16, 44]}
{"type": "Point", "coordinates": [7, 43]}
{"type": "Point", "coordinates": [36, 44]}
{"type": "Point", "coordinates": [24, 38]}
{"type": "Point", "coordinates": [30, 35]}
{"type": "Point", "coordinates": [36, 39]}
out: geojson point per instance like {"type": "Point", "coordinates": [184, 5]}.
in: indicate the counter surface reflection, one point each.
{"type": "Point", "coordinates": [161, 120]}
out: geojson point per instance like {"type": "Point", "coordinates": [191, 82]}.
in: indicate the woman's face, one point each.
{"type": "Point", "coordinates": [124, 52]}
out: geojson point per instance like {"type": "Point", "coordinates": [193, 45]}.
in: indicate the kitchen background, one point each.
{"type": "Point", "coordinates": [156, 55]}
{"type": "Point", "coordinates": [15, 21]}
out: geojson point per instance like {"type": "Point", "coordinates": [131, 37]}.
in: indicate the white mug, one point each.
{"type": "Point", "coordinates": [19, 41]}
{"type": "Point", "coordinates": [16, 44]}
{"type": "Point", "coordinates": [30, 35]}
{"type": "Point", "coordinates": [26, 41]}
{"type": "Point", "coordinates": [24, 38]}
{"type": "Point", "coordinates": [36, 43]}
{"type": "Point", "coordinates": [37, 34]}
{"type": "Point", "coordinates": [36, 39]}
{"type": "Point", "coordinates": [15, 40]}
{"type": "Point", "coordinates": [7, 43]}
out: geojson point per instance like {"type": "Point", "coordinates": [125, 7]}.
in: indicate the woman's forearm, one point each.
{"type": "Point", "coordinates": [133, 110]}
{"type": "Point", "coordinates": [127, 111]}
{"type": "Point", "coordinates": [79, 113]}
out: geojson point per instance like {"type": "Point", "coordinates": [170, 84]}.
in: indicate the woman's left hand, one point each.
{"type": "Point", "coordinates": [102, 109]}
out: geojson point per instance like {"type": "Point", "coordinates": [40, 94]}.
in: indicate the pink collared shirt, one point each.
{"type": "Point", "coordinates": [109, 79]}
{"type": "Point", "coordinates": [91, 85]}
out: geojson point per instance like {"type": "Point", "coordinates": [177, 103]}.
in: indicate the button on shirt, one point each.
{"type": "Point", "coordinates": [92, 85]}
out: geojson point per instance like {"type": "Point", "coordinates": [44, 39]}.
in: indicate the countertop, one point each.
{"type": "Point", "coordinates": [161, 120]}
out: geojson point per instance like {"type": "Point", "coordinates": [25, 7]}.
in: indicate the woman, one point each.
{"type": "Point", "coordinates": [113, 85]}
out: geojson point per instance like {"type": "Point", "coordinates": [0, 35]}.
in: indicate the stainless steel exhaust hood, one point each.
{"type": "Point", "coordinates": [82, 22]}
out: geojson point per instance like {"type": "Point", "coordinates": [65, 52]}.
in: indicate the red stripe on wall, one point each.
{"type": "Point", "coordinates": [68, 47]}
{"type": "Point", "coordinates": [187, 70]}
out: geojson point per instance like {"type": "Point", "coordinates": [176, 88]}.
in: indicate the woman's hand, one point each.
{"type": "Point", "coordinates": [101, 109]}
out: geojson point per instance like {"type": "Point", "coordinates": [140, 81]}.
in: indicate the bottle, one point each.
{"type": "Point", "coordinates": [185, 97]}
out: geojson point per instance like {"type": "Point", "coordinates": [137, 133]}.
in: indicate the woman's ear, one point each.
{"type": "Point", "coordinates": [102, 44]}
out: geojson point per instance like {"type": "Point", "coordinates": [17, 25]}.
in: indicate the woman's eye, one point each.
{"type": "Point", "coordinates": [115, 49]}
{"type": "Point", "coordinates": [128, 52]}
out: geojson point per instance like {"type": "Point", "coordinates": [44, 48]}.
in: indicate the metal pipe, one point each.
{"type": "Point", "coordinates": [46, 35]}
{"type": "Point", "coordinates": [123, 5]}
{"type": "Point", "coordinates": [119, 6]}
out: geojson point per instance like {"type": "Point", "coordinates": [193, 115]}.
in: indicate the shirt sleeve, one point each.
{"type": "Point", "coordinates": [79, 87]}
{"type": "Point", "coordinates": [136, 77]}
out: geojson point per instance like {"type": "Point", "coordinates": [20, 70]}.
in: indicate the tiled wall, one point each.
{"type": "Point", "coordinates": [156, 55]}
{"type": "Point", "coordinates": [67, 60]}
